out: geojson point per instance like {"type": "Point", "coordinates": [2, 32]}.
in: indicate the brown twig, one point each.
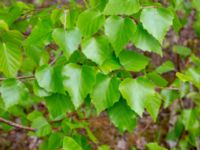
{"type": "Point", "coordinates": [168, 88]}
{"type": "Point", "coordinates": [16, 125]}
{"type": "Point", "coordinates": [20, 77]}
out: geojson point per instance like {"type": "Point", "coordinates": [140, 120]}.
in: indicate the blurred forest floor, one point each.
{"type": "Point", "coordinates": [147, 130]}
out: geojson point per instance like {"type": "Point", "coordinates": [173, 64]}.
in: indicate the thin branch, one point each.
{"type": "Point", "coordinates": [21, 78]}
{"type": "Point", "coordinates": [168, 88]}
{"type": "Point", "coordinates": [16, 125]}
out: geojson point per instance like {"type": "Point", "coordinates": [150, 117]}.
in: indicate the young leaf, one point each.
{"type": "Point", "coordinates": [105, 92]}
{"type": "Point", "coordinates": [188, 118]}
{"type": "Point", "coordinates": [157, 21]}
{"type": "Point", "coordinates": [97, 49]}
{"type": "Point", "coordinates": [70, 144]}
{"type": "Point", "coordinates": [176, 131]}
{"type": "Point", "coordinates": [104, 147]}
{"type": "Point", "coordinates": [192, 75]}
{"type": "Point", "coordinates": [110, 64]}
{"type": "Point", "coordinates": [90, 21]}
{"type": "Point", "coordinates": [119, 31]}
{"type": "Point", "coordinates": [50, 78]}
{"type": "Point", "coordinates": [58, 105]}
{"type": "Point", "coordinates": [165, 67]}
{"type": "Point", "coordinates": [195, 4]}
{"type": "Point", "coordinates": [181, 50]}
{"type": "Point", "coordinates": [78, 82]}
{"type": "Point", "coordinates": [133, 61]}
{"type": "Point", "coordinates": [137, 92]}
{"type": "Point", "coordinates": [126, 119]}
{"type": "Point", "coordinates": [152, 104]}
{"type": "Point", "coordinates": [10, 59]}
{"type": "Point", "coordinates": [145, 41]}
{"type": "Point", "coordinates": [68, 41]}
{"type": "Point", "coordinates": [157, 79]}
{"type": "Point", "coordinates": [3, 25]}
{"type": "Point", "coordinates": [98, 4]}
{"type": "Point", "coordinates": [55, 141]}
{"type": "Point", "coordinates": [41, 33]}
{"type": "Point", "coordinates": [10, 52]}
{"type": "Point", "coordinates": [12, 92]}
{"type": "Point", "coordinates": [122, 7]}
{"type": "Point", "coordinates": [155, 146]}
{"type": "Point", "coordinates": [38, 91]}
{"type": "Point", "coordinates": [42, 126]}
{"type": "Point", "coordinates": [169, 96]}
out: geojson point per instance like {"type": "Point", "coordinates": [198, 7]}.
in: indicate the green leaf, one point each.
{"type": "Point", "coordinates": [58, 105]}
{"type": "Point", "coordinates": [37, 54]}
{"type": "Point", "coordinates": [176, 131]}
{"type": "Point", "coordinates": [12, 92]}
{"type": "Point", "coordinates": [133, 61]}
{"type": "Point", "coordinates": [195, 4]}
{"type": "Point", "coordinates": [43, 145]}
{"type": "Point", "coordinates": [189, 119]}
{"type": "Point", "coordinates": [145, 41]}
{"type": "Point", "coordinates": [90, 21]}
{"type": "Point", "coordinates": [3, 25]}
{"type": "Point", "coordinates": [41, 33]}
{"type": "Point", "coordinates": [183, 77]}
{"type": "Point", "coordinates": [105, 92]}
{"type": "Point", "coordinates": [38, 91]}
{"type": "Point", "coordinates": [137, 92]}
{"type": "Point", "coordinates": [104, 147]}
{"type": "Point", "coordinates": [195, 97]}
{"type": "Point", "coordinates": [10, 53]}
{"type": "Point", "coordinates": [152, 105]}
{"type": "Point", "coordinates": [165, 67]}
{"type": "Point", "coordinates": [169, 96]}
{"type": "Point", "coordinates": [157, 21]}
{"type": "Point", "coordinates": [12, 13]}
{"type": "Point", "coordinates": [98, 4]}
{"type": "Point", "coordinates": [10, 59]}
{"type": "Point", "coordinates": [34, 114]}
{"type": "Point", "coordinates": [97, 49]}
{"type": "Point", "coordinates": [119, 31]}
{"type": "Point", "coordinates": [78, 82]}
{"type": "Point", "coordinates": [42, 126]}
{"type": "Point", "coordinates": [55, 141]}
{"type": "Point", "coordinates": [68, 41]}
{"type": "Point", "coordinates": [194, 74]}
{"type": "Point", "coordinates": [196, 24]}
{"type": "Point", "coordinates": [29, 66]}
{"type": "Point", "coordinates": [191, 75]}
{"type": "Point", "coordinates": [70, 144]}
{"type": "Point", "coordinates": [110, 64]}
{"type": "Point", "coordinates": [181, 50]}
{"type": "Point", "coordinates": [69, 18]}
{"type": "Point", "coordinates": [126, 119]}
{"type": "Point", "coordinates": [177, 24]}
{"type": "Point", "coordinates": [90, 135]}
{"type": "Point", "coordinates": [56, 16]}
{"type": "Point", "coordinates": [82, 141]}
{"type": "Point", "coordinates": [122, 7]}
{"type": "Point", "coordinates": [155, 146]}
{"type": "Point", "coordinates": [50, 78]}
{"type": "Point", "coordinates": [157, 79]}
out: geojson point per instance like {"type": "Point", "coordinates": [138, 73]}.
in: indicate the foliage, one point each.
{"type": "Point", "coordinates": [93, 58]}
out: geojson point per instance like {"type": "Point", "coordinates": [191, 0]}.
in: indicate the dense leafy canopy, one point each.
{"type": "Point", "coordinates": [94, 59]}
